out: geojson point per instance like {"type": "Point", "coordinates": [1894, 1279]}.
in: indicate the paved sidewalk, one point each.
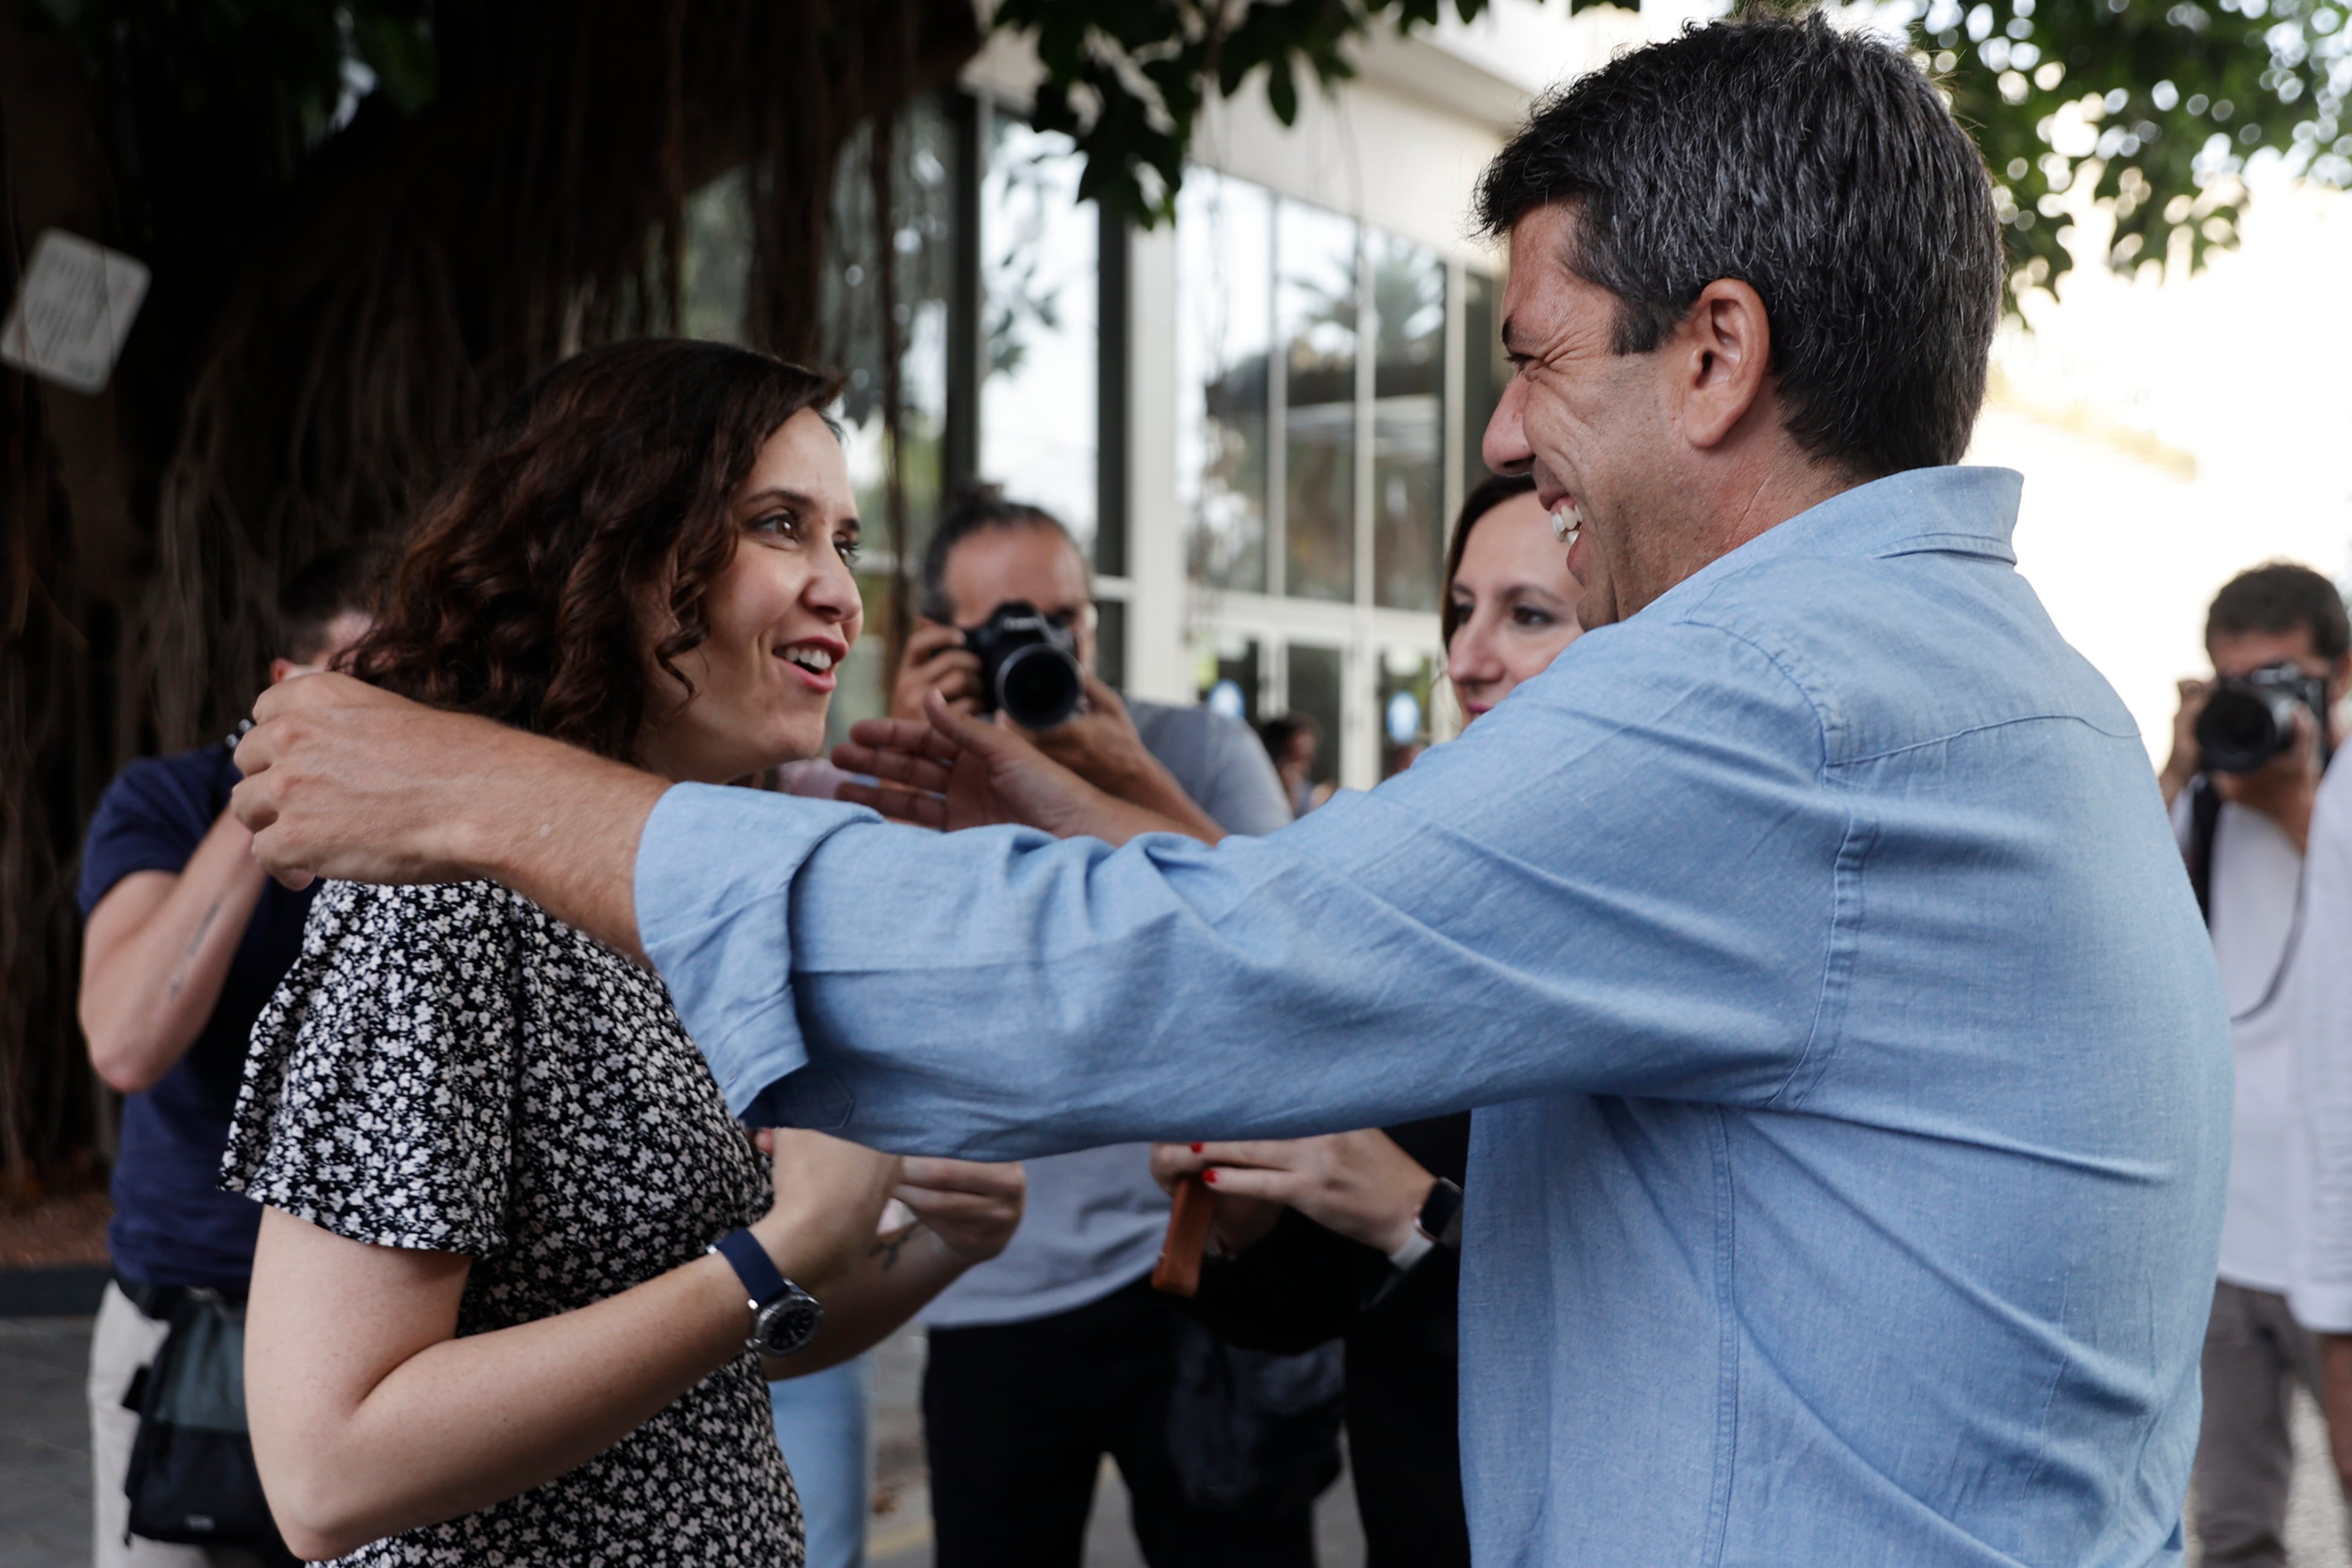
{"type": "Point", "coordinates": [44, 1443]}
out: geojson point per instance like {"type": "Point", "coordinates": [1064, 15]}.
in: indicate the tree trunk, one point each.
{"type": "Point", "coordinates": [321, 337]}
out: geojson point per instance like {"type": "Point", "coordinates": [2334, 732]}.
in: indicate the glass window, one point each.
{"type": "Point", "coordinates": [1316, 682]}
{"type": "Point", "coordinates": [1408, 679]}
{"type": "Point", "coordinates": [921, 252]}
{"type": "Point", "coordinates": [1316, 319]}
{"type": "Point", "coordinates": [1110, 641]}
{"type": "Point", "coordinates": [1038, 277]}
{"type": "Point", "coordinates": [1224, 238]}
{"type": "Point", "coordinates": [1484, 371]}
{"type": "Point", "coordinates": [1225, 672]}
{"type": "Point", "coordinates": [1408, 422]}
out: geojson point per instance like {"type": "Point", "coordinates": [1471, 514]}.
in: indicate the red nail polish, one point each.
{"type": "Point", "coordinates": [1196, 1148]}
{"type": "Point", "coordinates": [1209, 1177]}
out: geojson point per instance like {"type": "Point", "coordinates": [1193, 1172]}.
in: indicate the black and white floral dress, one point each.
{"type": "Point", "coordinates": [453, 1069]}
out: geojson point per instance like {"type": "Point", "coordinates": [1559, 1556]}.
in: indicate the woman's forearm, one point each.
{"type": "Point", "coordinates": [893, 1283]}
{"type": "Point", "coordinates": [370, 1418]}
{"type": "Point", "coordinates": [467, 1422]}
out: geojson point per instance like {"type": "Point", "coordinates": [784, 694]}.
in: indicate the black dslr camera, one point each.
{"type": "Point", "coordinates": [2249, 719]}
{"type": "Point", "coordinates": [1028, 666]}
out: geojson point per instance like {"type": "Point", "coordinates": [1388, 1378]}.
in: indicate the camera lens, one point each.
{"type": "Point", "coordinates": [1038, 687]}
{"type": "Point", "coordinates": [2241, 730]}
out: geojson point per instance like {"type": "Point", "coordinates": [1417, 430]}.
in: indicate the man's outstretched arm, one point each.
{"type": "Point", "coordinates": [345, 780]}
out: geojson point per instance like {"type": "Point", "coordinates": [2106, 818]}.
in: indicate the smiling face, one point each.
{"type": "Point", "coordinates": [1516, 603]}
{"type": "Point", "coordinates": [1663, 460]}
{"type": "Point", "coordinates": [1590, 425]}
{"type": "Point", "coordinates": [782, 614]}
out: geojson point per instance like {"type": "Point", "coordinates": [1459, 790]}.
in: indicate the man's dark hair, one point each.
{"type": "Point", "coordinates": [976, 509]}
{"type": "Point", "coordinates": [2277, 597]}
{"type": "Point", "coordinates": [1819, 168]}
{"type": "Point", "coordinates": [330, 584]}
{"type": "Point", "coordinates": [1276, 732]}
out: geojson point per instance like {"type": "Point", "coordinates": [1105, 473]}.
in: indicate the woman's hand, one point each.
{"type": "Point", "coordinates": [973, 1208]}
{"type": "Point", "coordinates": [952, 772]}
{"type": "Point", "coordinates": [829, 1199]}
{"type": "Point", "coordinates": [1358, 1184]}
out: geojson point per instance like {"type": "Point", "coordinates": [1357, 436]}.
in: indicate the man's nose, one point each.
{"type": "Point", "coordinates": [1505, 447]}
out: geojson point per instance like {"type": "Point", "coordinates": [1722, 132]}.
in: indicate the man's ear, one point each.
{"type": "Point", "coordinates": [2339, 678]}
{"type": "Point", "coordinates": [281, 668]}
{"type": "Point", "coordinates": [1719, 359]}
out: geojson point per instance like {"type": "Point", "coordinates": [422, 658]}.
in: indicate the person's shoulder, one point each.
{"type": "Point", "coordinates": [151, 816]}
{"type": "Point", "coordinates": [379, 1090]}
{"type": "Point", "coordinates": [415, 914]}
{"type": "Point", "coordinates": [1196, 722]}
{"type": "Point", "coordinates": [182, 783]}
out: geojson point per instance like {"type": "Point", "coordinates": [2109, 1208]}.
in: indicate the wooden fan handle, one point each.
{"type": "Point", "coordinates": [1179, 1273]}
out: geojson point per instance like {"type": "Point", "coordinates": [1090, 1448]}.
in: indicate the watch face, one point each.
{"type": "Point", "coordinates": [787, 1322]}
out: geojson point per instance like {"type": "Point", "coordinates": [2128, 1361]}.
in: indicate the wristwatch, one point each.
{"type": "Point", "coordinates": [783, 1316]}
{"type": "Point", "coordinates": [1439, 1224]}
{"type": "Point", "coordinates": [1441, 1215]}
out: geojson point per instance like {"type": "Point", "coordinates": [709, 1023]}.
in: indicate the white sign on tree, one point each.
{"type": "Point", "coordinates": [73, 311]}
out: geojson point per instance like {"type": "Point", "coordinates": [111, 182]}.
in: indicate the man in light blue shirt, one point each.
{"type": "Point", "coordinates": [1853, 1076]}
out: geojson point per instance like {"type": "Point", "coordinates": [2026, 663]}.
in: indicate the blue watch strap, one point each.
{"type": "Point", "coordinates": [752, 1266]}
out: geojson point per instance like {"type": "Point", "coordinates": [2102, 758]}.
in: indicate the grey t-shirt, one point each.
{"type": "Point", "coordinates": [1095, 1217]}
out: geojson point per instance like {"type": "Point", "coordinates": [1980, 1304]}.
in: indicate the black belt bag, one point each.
{"type": "Point", "coordinates": [191, 1479]}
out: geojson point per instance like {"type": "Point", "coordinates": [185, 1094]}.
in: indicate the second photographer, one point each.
{"type": "Point", "coordinates": [1058, 1351]}
{"type": "Point", "coordinates": [2248, 751]}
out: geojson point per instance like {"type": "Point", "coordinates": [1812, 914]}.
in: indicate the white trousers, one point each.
{"type": "Point", "coordinates": [123, 1341]}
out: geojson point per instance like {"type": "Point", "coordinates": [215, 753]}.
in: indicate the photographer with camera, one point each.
{"type": "Point", "coordinates": [2248, 751]}
{"type": "Point", "coordinates": [1058, 1351]}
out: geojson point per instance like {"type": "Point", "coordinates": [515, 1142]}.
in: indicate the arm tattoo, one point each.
{"type": "Point", "coordinates": [188, 960]}
{"type": "Point", "coordinates": [888, 1247]}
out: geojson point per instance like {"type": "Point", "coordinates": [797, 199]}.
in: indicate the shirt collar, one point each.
{"type": "Point", "coordinates": [1949, 510]}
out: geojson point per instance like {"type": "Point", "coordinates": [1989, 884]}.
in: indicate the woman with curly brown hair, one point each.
{"type": "Point", "coordinates": [499, 1310]}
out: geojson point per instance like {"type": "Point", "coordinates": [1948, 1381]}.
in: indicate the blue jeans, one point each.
{"type": "Point", "coordinates": [823, 1422]}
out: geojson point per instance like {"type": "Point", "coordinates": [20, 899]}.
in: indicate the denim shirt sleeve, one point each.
{"type": "Point", "coordinates": [1619, 880]}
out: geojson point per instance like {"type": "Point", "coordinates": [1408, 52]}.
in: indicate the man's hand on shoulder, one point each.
{"type": "Point", "coordinates": [342, 779]}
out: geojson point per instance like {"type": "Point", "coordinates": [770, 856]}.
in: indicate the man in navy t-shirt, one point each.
{"type": "Point", "coordinates": [185, 937]}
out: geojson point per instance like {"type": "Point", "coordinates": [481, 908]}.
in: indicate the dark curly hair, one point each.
{"type": "Point", "coordinates": [522, 590]}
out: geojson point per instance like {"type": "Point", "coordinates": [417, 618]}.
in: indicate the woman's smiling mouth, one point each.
{"type": "Point", "coordinates": [812, 660]}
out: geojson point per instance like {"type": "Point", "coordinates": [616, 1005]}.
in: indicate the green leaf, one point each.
{"type": "Point", "coordinates": [399, 50]}
{"type": "Point", "coordinates": [1281, 93]}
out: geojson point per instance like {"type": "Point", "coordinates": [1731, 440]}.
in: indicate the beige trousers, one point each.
{"type": "Point", "coordinates": [123, 1341]}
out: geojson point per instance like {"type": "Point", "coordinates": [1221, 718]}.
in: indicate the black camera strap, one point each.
{"type": "Point", "coordinates": [2204, 824]}
{"type": "Point", "coordinates": [2204, 820]}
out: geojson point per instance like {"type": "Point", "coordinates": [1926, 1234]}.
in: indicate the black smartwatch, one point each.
{"type": "Point", "coordinates": [1439, 1224]}
{"type": "Point", "coordinates": [783, 1316]}
{"type": "Point", "coordinates": [1441, 1215]}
